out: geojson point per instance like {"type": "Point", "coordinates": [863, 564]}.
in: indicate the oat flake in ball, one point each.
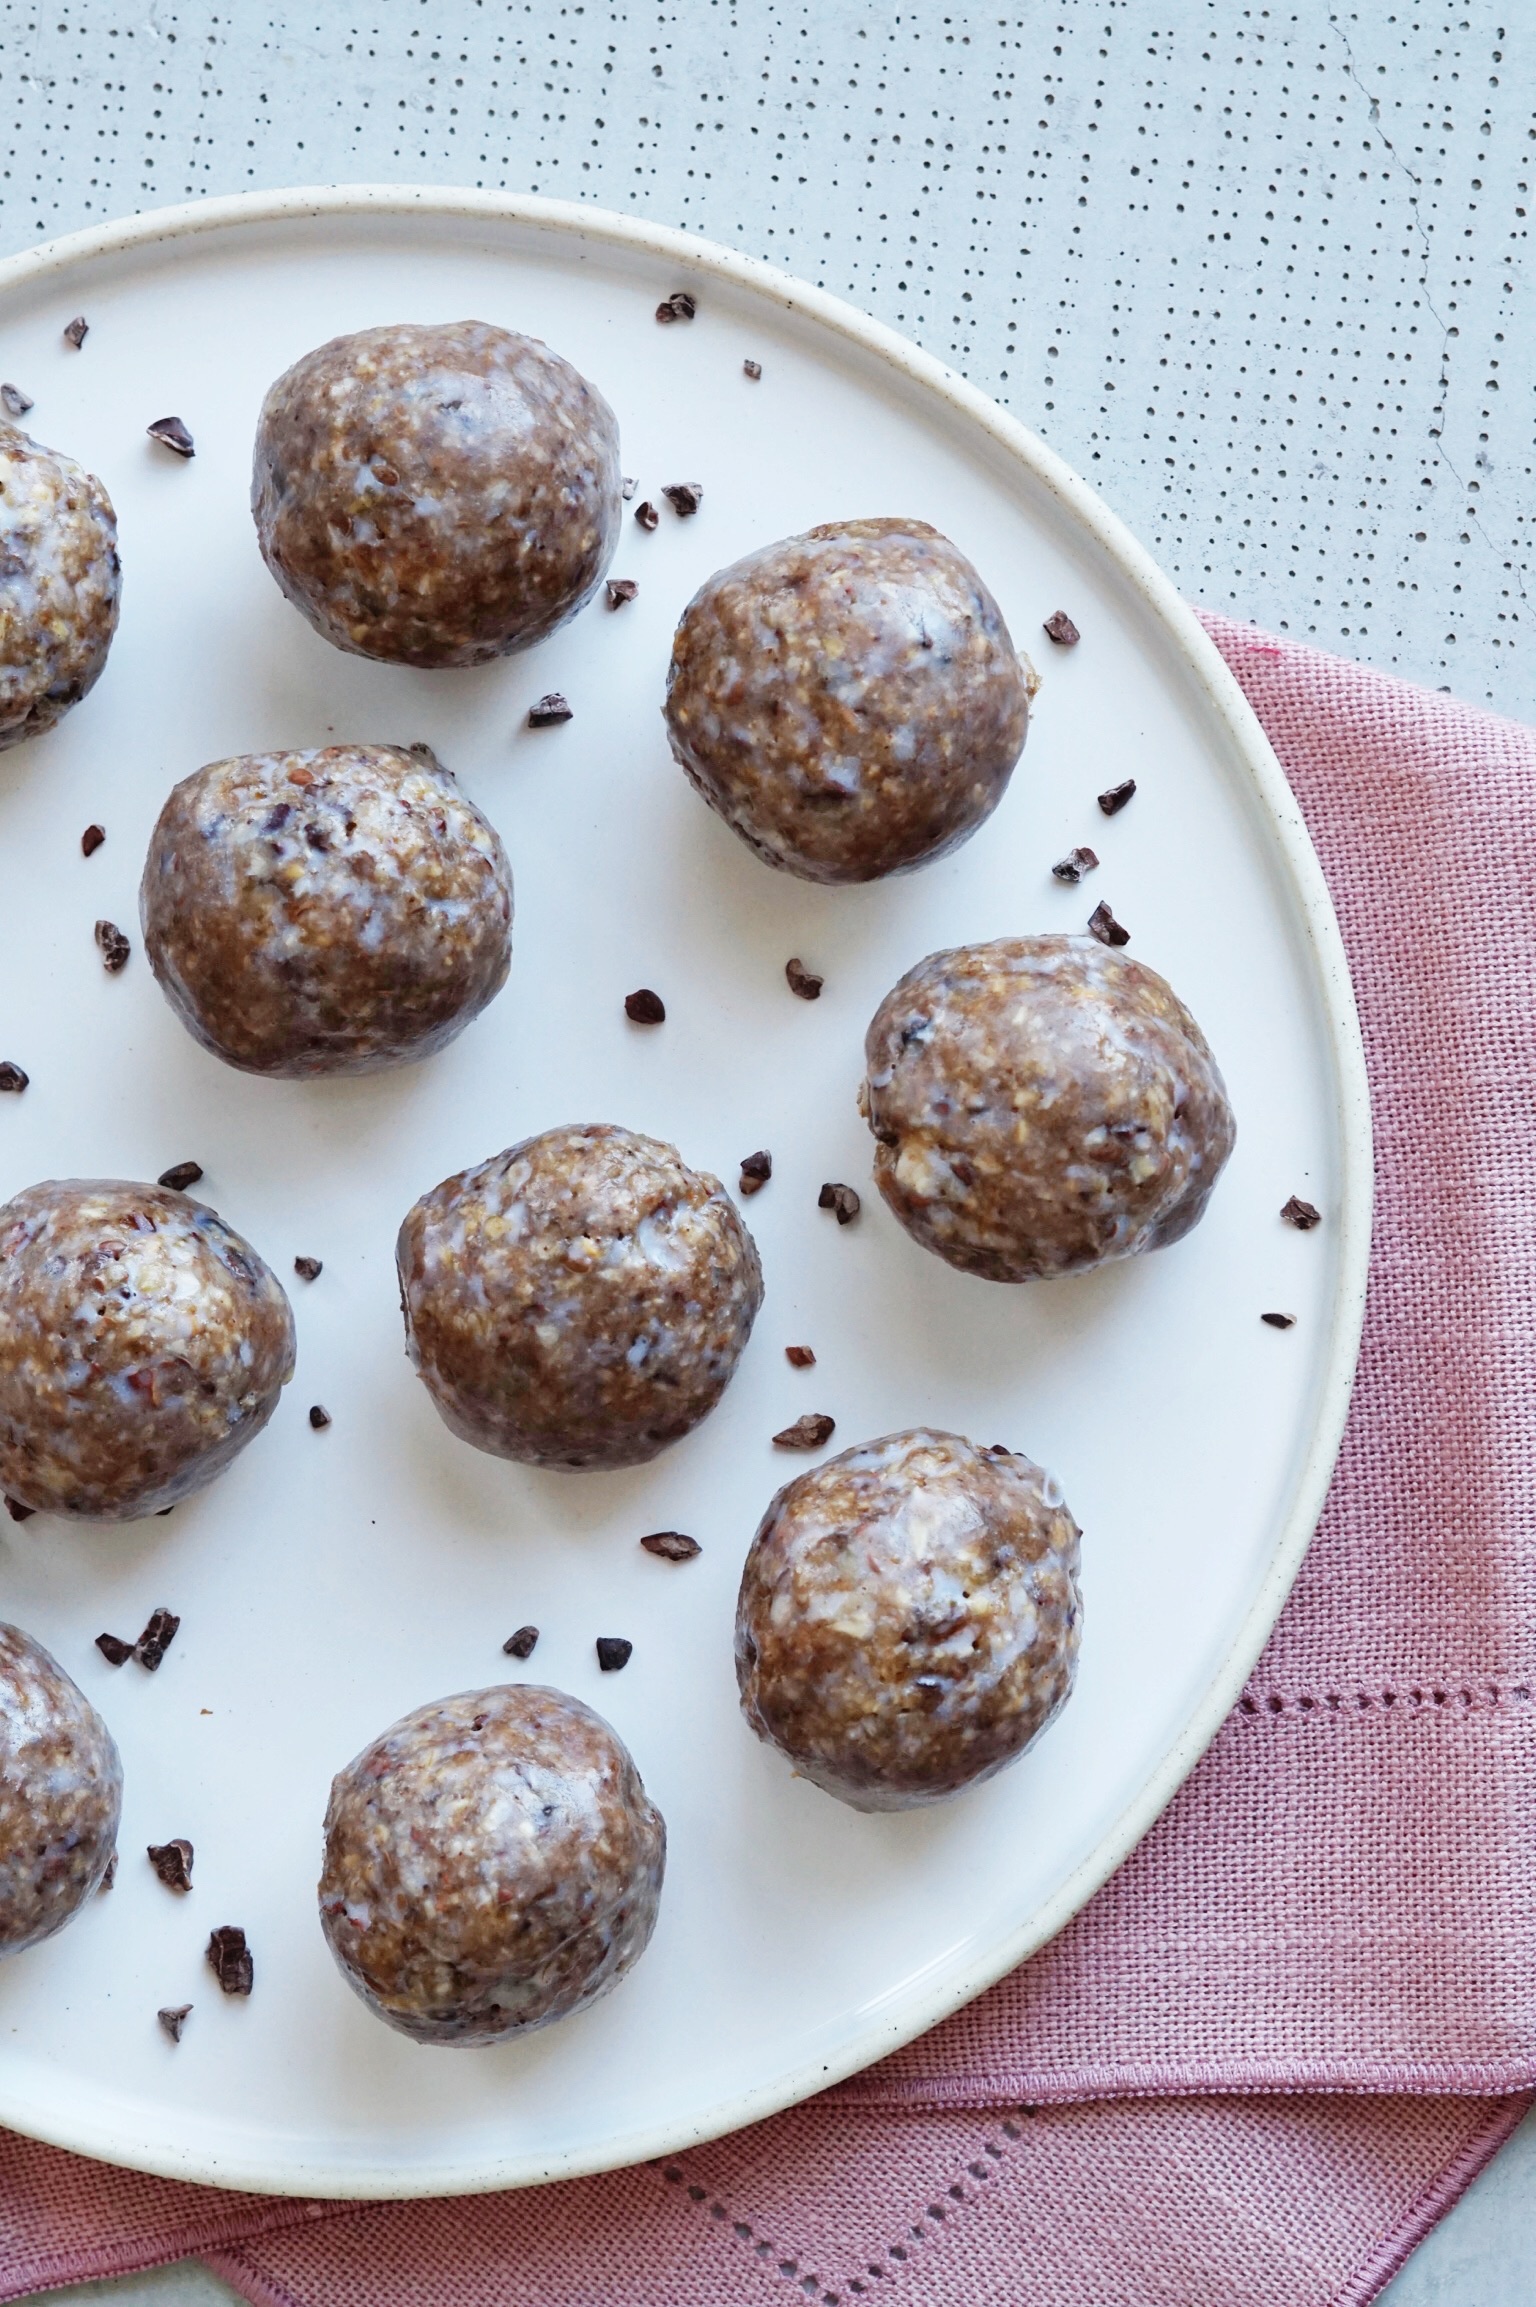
{"type": "Point", "coordinates": [908, 1621]}
{"type": "Point", "coordinates": [848, 701]}
{"type": "Point", "coordinates": [339, 911]}
{"type": "Point", "coordinates": [492, 1863]}
{"type": "Point", "coordinates": [59, 584]}
{"type": "Point", "coordinates": [436, 495]}
{"type": "Point", "coordinates": [580, 1300]}
{"type": "Point", "coordinates": [61, 1792]}
{"type": "Point", "coordinates": [1042, 1105]}
{"type": "Point", "coordinates": [143, 1344]}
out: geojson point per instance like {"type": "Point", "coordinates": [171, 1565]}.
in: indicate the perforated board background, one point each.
{"type": "Point", "coordinates": [1261, 273]}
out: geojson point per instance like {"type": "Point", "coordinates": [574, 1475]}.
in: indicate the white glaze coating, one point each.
{"type": "Point", "coordinates": [61, 1792]}
{"type": "Point", "coordinates": [338, 911]}
{"type": "Point", "coordinates": [59, 584]}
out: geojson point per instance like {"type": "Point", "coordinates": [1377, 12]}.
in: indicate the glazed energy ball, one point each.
{"type": "Point", "coordinates": [908, 1618]}
{"type": "Point", "coordinates": [1042, 1105]}
{"type": "Point", "coordinates": [58, 584]}
{"type": "Point", "coordinates": [142, 1345]}
{"type": "Point", "coordinates": [436, 496]}
{"type": "Point", "coordinates": [492, 1863]}
{"type": "Point", "coordinates": [848, 701]}
{"type": "Point", "coordinates": [580, 1300]}
{"type": "Point", "coordinates": [61, 1791]}
{"type": "Point", "coordinates": [331, 912]}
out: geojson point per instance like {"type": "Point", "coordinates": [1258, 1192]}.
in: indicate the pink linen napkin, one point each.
{"type": "Point", "coordinates": [1277, 2046]}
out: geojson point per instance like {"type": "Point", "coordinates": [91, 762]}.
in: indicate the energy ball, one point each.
{"type": "Point", "coordinates": [580, 1300]}
{"type": "Point", "coordinates": [1042, 1105]}
{"type": "Point", "coordinates": [492, 1863]}
{"type": "Point", "coordinates": [142, 1345]}
{"type": "Point", "coordinates": [909, 1618]}
{"type": "Point", "coordinates": [436, 495]}
{"type": "Point", "coordinates": [59, 584]}
{"type": "Point", "coordinates": [848, 701]}
{"type": "Point", "coordinates": [61, 1793]}
{"type": "Point", "coordinates": [331, 912]}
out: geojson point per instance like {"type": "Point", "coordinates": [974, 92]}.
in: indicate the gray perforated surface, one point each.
{"type": "Point", "coordinates": [1259, 272]}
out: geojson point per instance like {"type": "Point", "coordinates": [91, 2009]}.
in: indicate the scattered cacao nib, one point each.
{"type": "Point", "coordinates": [620, 590]}
{"type": "Point", "coordinates": [172, 434]}
{"type": "Point", "coordinates": [672, 1545]}
{"type": "Point", "coordinates": [1302, 1215]}
{"type": "Point", "coordinates": [12, 1077]}
{"type": "Point", "coordinates": [91, 839]}
{"type": "Point", "coordinates": [752, 368]}
{"type": "Point", "coordinates": [685, 497]}
{"type": "Point", "coordinates": [522, 1643]}
{"type": "Point", "coordinates": [76, 331]}
{"type": "Point", "coordinates": [180, 1175]}
{"type": "Point", "coordinates": [678, 306]}
{"type": "Point", "coordinates": [549, 711]}
{"type": "Point", "coordinates": [1103, 925]}
{"type": "Point", "coordinates": [172, 1862]}
{"type": "Point", "coordinates": [627, 486]}
{"type": "Point", "coordinates": [156, 1638]}
{"type": "Point", "coordinates": [1114, 799]}
{"type": "Point", "coordinates": [173, 2018]}
{"type": "Point", "coordinates": [613, 1652]}
{"type": "Point", "coordinates": [308, 1269]}
{"type": "Point", "coordinates": [803, 981]}
{"type": "Point", "coordinates": [756, 1170]}
{"type": "Point", "coordinates": [841, 1200]}
{"type": "Point", "coordinates": [110, 1877]}
{"type": "Point", "coordinates": [319, 1417]}
{"type": "Point", "coordinates": [114, 946]}
{"type": "Point", "coordinates": [647, 515]}
{"type": "Point", "coordinates": [114, 1649]}
{"type": "Point", "coordinates": [1279, 1321]}
{"type": "Point", "coordinates": [229, 1958]}
{"type": "Point", "coordinates": [1075, 864]}
{"type": "Point", "coordinates": [1060, 629]}
{"type": "Point", "coordinates": [643, 1007]}
{"type": "Point", "coordinates": [18, 1512]}
{"type": "Point", "coordinates": [14, 401]}
{"type": "Point", "coordinates": [800, 1357]}
{"type": "Point", "coordinates": [807, 1433]}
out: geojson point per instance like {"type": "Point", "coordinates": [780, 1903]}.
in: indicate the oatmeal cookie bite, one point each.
{"type": "Point", "coordinates": [143, 1344]}
{"type": "Point", "coordinates": [436, 495]}
{"type": "Point", "coordinates": [849, 701]}
{"type": "Point", "coordinates": [331, 912]}
{"type": "Point", "coordinates": [1042, 1105]}
{"type": "Point", "coordinates": [581, 1300]}
{"type": "Point", "coordinates": [492, 1863]}
{"type": "Point", "coordinates": [59, 584]}
{"type": "Point", "coordinates": [61, 1793]}
{"type": "Point", "coordinates": [909, 1618]}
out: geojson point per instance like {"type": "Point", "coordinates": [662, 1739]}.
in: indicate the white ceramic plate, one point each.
{"type": "Point", "coordinates": [333, 1580]}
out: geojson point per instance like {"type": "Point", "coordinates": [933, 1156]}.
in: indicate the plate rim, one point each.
{"type": "Point", "coordinates": [698, 257]}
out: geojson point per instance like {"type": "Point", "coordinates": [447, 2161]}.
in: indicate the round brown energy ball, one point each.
{"type": "Point", "coordinates": [909, 1618]}
{"type": "Point", "coordinates": [142, 1345]}
{"type": "Point", "coordinates": [1042, 1105]}
{"type": "Point", "coordinates": [436, 495]}
{"type": "Point", "coordinates": [492, 1863]}
{"type": "Point", "coordinates": [331, 912]}
{"type": "Point", "coordinates": [848, 701]}
{"type": "Point", "coordinates": [59, 584]}
{"type": "Point", "coordinates": [61, 1793]}
{"type": "Point", "coordinates": [580, 1300]}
